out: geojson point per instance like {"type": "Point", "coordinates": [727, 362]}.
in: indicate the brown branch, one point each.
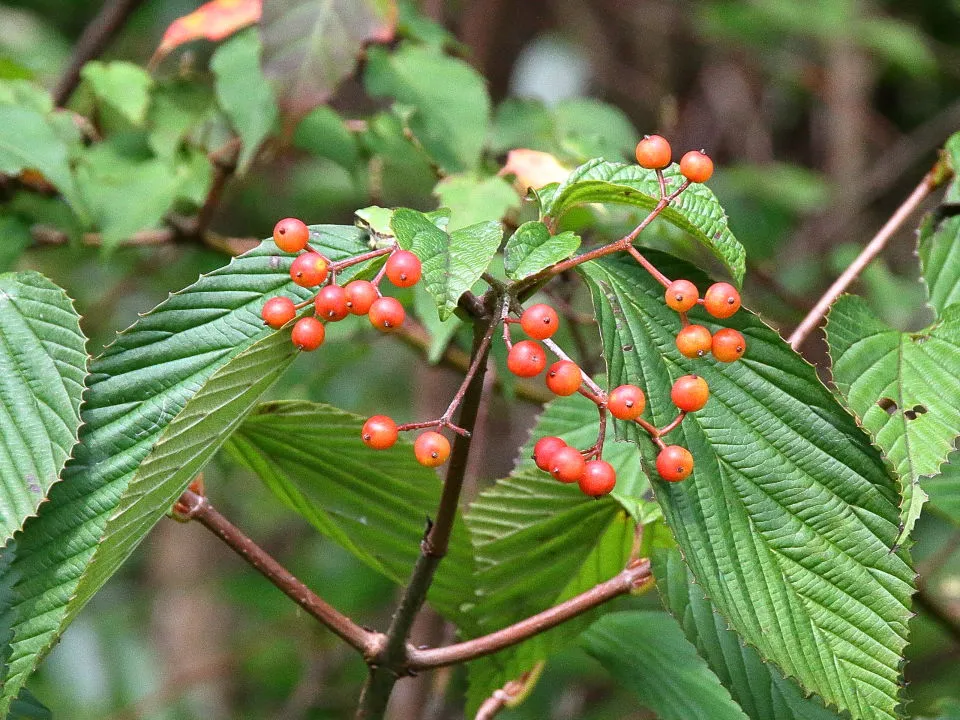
{"type": "Point", "coordinates": [192, 506]}
{"type": "Point", "coordinates": [636, 575]}
{"type": "Point", "coordinates": [392, 660]}
{"type": "Point", "coordinates": [95, 38]}
{"type": "Point", "coordinates": [502, 697]}
{"type": "Point", "coordinates": [873, 248]}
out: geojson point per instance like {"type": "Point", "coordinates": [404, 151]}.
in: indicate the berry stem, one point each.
{"type": "Point", "coordinates": [193, 506]}
{"type": "Point", "coordinates": [648, 266]}
{"type": "Point", "coordinates": [596, 451]}
{"type": "Point", "coordinates": [652, 432]}
{"type": "Point", "coordinates": [439, 423]}
{"type": "Point", "coordinates": [672, 425]}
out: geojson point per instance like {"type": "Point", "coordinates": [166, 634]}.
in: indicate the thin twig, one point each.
{"type": "Point", "coordinates": [96, 36]}
{"type": "Point", "coordinates": [873, 248]}
{"type": "Point", "coordinates": [192, 506]}
{"type": "Point", "coordinates": [635, 576]}
{"type": "Point", "coordinates": [501, 697]}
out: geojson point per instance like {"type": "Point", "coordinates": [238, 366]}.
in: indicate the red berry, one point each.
{"type": "Point", "coordinates": [694, 341]}
{"type": "Point", "coordinates": [626, 402]}
{"type": "Point", "coordinates": [599, 478]}
{"type": "Point", "coordinates": [567, 464]}
{"type": "Point", "coordinates": [291, 235]}
{"type": "Point", "coordinates": [403, 268]}
{"type": "Point", "coordinates": [653, 152]}
{"type": "Point", "coordinates": [331, 303]}
{"type": "Point", "coordinates": [539, 321]}
{"type": "Point", "coordinates": [526, 359]}
{"type": "Point", "coordinates": [308, 333]}
{"type": "Point", "coordinates": [564, 378]}
{"type": "Point", "coordinates": [721, 300]}
{"type": "Point", "coordinates": [690, 393]}
{"type": "Point", "coordinates": [728, 345]}
{"type": "Point", "coordinates": [386, 314]}
{"type": "Point", "coordinates": [674, 463]}
{"type": "Point", "coordinates": [309, 269]}
{"type": "Point", "coordinates": [278, 311]}
{"type": "Point", "coordinates": [544, 449]}
{"type": "Point", "coordinates": [379, 432]}
{"type": "Point", "coordinates": [431, 449]}
{"type": "Point", "coordinates": [696, 167]}
{"type": "Point", "coordinates": [360, 295]}
{"type": "Point", "coordinates": [681, 295]}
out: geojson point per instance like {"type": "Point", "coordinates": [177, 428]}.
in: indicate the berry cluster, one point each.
{"type": "Point", "coordinates": [333, 302]}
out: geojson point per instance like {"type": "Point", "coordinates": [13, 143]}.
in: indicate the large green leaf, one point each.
{"type": "Point", "coordinates": [646, 651]}
{"type": "Point", "coordinates": [532, 248]}
{"type": "Point", "coordinates": [697, 211]}
{"type": "Point", "coordinates": [373, 503]}
{"type": "Point", "coordinates": [790, 515]}
{"type": "Point", "coordinates": [473, 198]}
{"type": "Point", "coordinates": [944, 490]}
{"type": "Point", "coordinates": [540, 542]}
{"type": "Point", "coordinates": [139, 385]}
{"type": "Point", "coordinates": [451, 263]}
{"type": "Point", "coordinates": [181, 451]}
{"type": "Point", "coordinates": [309, 46]}
{"type": "Point", "coordinates": [904, 387]}
{"type": "Point", "coordinates": [243, 92]}
{"type": "Point", "coordinates": [43, 362]}
{"type": "Point", "coordinates": [939, 250]}
{"type": "Point", "coordinates": [449, 101]}
{"type": "Point", "coordinates": [760, 691]}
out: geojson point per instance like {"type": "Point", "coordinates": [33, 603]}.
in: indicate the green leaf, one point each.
{"type": "Point", "coordinates": [122, 86]}
{"type": "Point", "coordinates": [27, 707]}
{"type": "Point", "coordinates": [30, 142]}
{"type": "Point", "coordinates": [178, 107]}
{"type": "Point", "coordinates": [451, 263]}
{"type": "Point", "coordinates": [944, 490]}
{"type": "Point", "coordinates": [309, 47]}
{"type": "Point", "coordinates": [473, 199]}
{"type": "Point", "coordinates": [43, 362]}
{"type": "Point", "coordinates": [696, 211]}
{"type": "Point", "coordinates": [760, 691]}
{"type": "Point", "coordinates": [539, 542]}
{"type": "Point", "coordinates": [532, 248]}
{"type": "Point", "coordinates": [589, 128]}
{"type": "Point", "coordinates": [185, 446]}
{"type": "Point", "coordinates": [324, 134]}
{"type": "Point", "coordinates": [451, 107]}
{"type": "Point", "coordinates": [243, 92]}
{"type": "Point", "coordinates": [647, 652]}
{"type": "Point", "coordinates": [139, 385]}
{"type": "Point", "coordinates": [790, 516]}
{"type": "Point", "coordinates": [939, 251]}
{"type": "Point", "coordinates": [108, 178]}
{"type": "Point", "coordinates": [903, 387]}
{"type": "Point", "coordinates": [373, 503]}
{"type": "Point", "coordinates": [15, 232]}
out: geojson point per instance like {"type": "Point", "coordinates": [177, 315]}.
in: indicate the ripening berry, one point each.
{"type": "Point", "coordinates": [539, 321]}
{"type": "Point", "coordinates": [308, 334]}
{"type": "Point", "coordinates": [598, 479]}
{"type": "Point", "coordinates": [564, 378]}
{"type": "Point", "coordinates": [386, 314]}
{"type": "Point", "coordinates": [696, 167]}
{"type": "Point", "coordinates": [331, 303]}
{"type": "Point", "coordinates": [567, 464]}
{"type": "Point", "coordinates": [291, 235]}
{"type": "Point", "coordinates": [403, 268]}
{"type": "Point", "coordinates": [694, 341]}
{"type": "Point", "coordinates": [309, 269]}
{"type": "Point", "coordinates": [431, 449]}
{"type": "Point", "coordinates": [278, 311]}
{"type": "Point", "coordinates": [690, 393]}
{"type": "Point", "coordinates": [544, 449]}
{"type": "Point", "coordinates": [674, 463]}
{"type": "Point", "coordinates": [653, 152]}
{"type": "Point", "coordinates": [681, 295]}
{"type": "Point", "coordinates": [626, 402]}
{"type": "Point", "coordinates": [379, 432]}
{"type": "Point", "coordinates": [526, 359]}
{"type": "Point", "coordinates": [721, 300]}
{"type": "Point", "coordinates": [728, 345]}
{"type": "Point", "coordinates": [360, 295]}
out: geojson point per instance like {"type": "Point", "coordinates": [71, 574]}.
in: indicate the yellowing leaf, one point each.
{"type": "Point", "coordinates": [214, 20]}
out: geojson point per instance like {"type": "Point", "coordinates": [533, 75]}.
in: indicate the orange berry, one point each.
{"type": "Point", "coordinates": [308, 334]}
{"type": "Point", "coordinates": [291, 235]}
{"type": "Point", "coordinates": [694, 341]}
{"type": "Point", "coordinates": [728, 345]}
{"type": "Point", "coordinates": [403, 268]}
{"type": "Point", "coordinates": [564, 378]}
{"type": "Point", "coordinates": [696, 167]}
{"type": "Point", "coordinates": [278, 311]}
{"type": "Point", "coordinates": [309, 269]}
{"type": "Point", "coordinates": [690, 393]}
{"type": "Point", "coordinates": [360, 295]}
{"type": "Point", "coordinates": [598, 478]}
{"type": "Point", "coordinates": [526, 359]}
{"type": "Point", "coordinates": [653, 152]}
{"type": "Point", "coordinates": [626, 402]}
{"type": "Point", "coordinates": [386, 314]}
{"type": "Point", "coordinates": [379, 432]}
{"type": "Point", "coordinates": [567, 464]}
{"type": "Point", "coordinates": [674, 463]}
{"type": "Point", "coordinates": [539, 321]}
{"type": "Point", "coordinates": [681, 295]}
{"type": "Point", "coordinates": [544, 449]}
{"type": "Point", "coordinates": [431, 449]}
{"type": "Point", "coordinates": [331, 303]}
